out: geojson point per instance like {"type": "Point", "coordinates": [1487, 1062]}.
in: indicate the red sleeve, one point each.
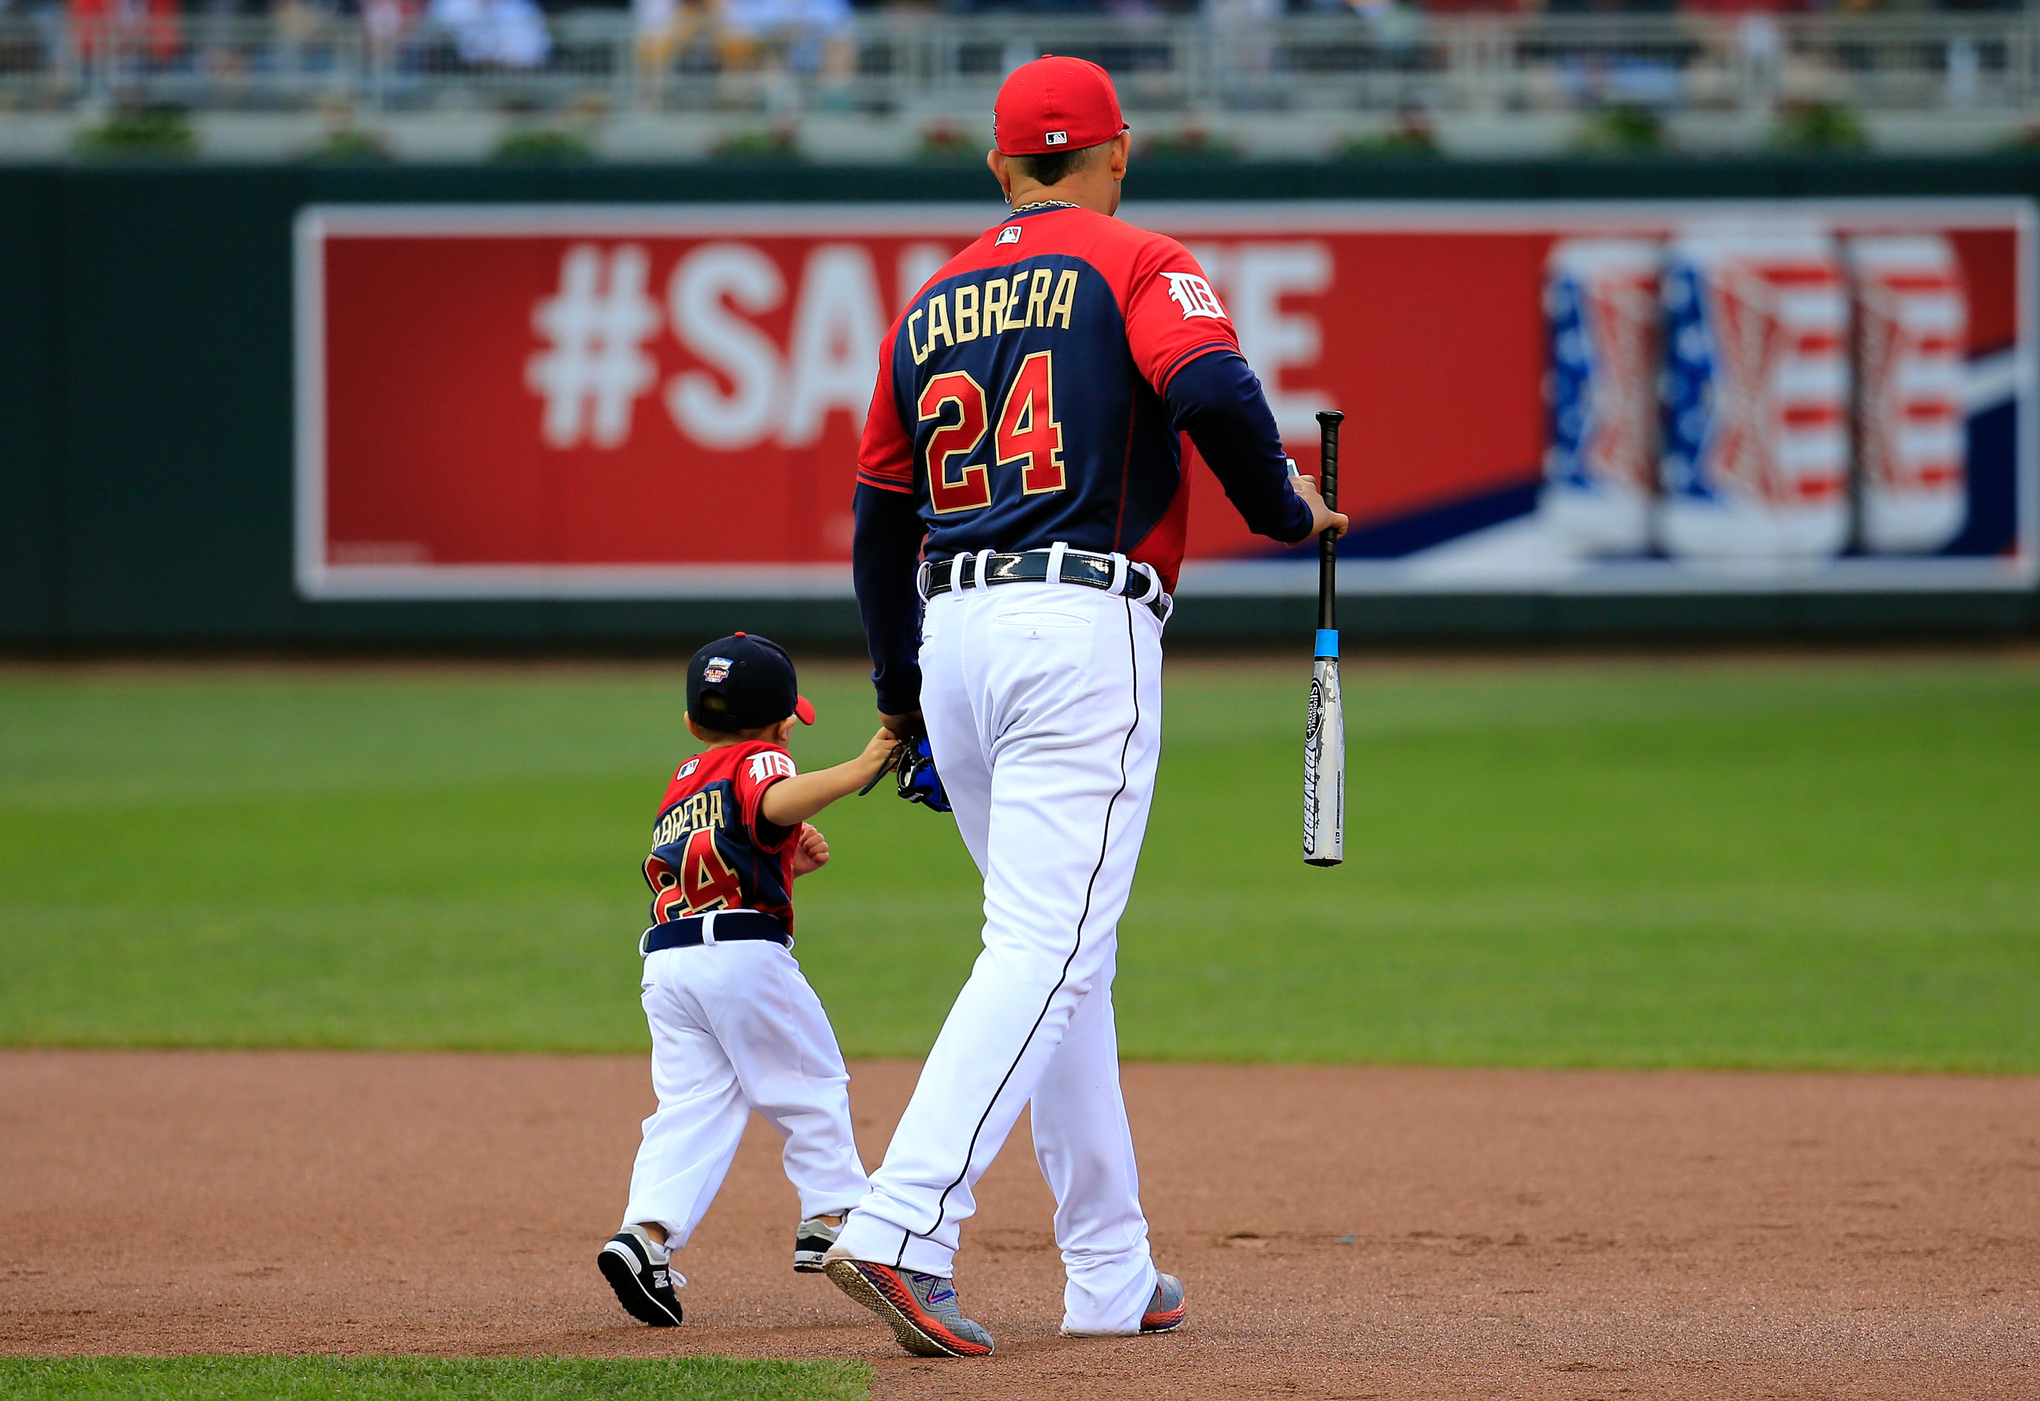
{"type": "Point", "coordinates": [757, 770]}
{"type": "Point", "coordinates": [1172, 315]}
{"type": "Point", "coordinates": [885, 457]}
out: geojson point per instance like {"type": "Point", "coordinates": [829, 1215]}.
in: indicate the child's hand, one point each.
{"type": "Point", "coordinates": [793, 800]}
{"type": "Point", "coordinates": [810, 850]}
{"type": "Point", "coordinates": [878, 751]}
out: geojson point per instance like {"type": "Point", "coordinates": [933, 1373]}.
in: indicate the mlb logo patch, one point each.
{"type": "Point", "coordinates": [1057, 138]}
{"type": "Point", "coordinates": [717, 670]}
{"type": "Point", "coordinates": [1010, 234]}
{"type": "Point", "coordinates": [687, 768]}
{"type": "Point", "coordinates": [1194, 295]}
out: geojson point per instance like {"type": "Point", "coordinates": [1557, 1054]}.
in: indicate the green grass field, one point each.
{"type": "Point", "coordinates": [427, 1379]}
{"type": "Point", "coordinates": [1830, 862]}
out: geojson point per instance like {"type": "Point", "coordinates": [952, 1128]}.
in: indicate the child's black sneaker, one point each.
{"type": "Point", "coordinates": [641, 1272]}
{"type": "Point", "coordinates": [811, 1241]}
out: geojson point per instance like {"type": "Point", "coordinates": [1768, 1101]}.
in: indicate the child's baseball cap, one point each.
{"type": "Point", "coordinates": [741, 682]}
{"type": "Point", "coordinates": [1055, 104]}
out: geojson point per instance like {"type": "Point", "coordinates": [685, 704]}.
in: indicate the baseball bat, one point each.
{"type": "Point", "coordinates": [1324, 733]}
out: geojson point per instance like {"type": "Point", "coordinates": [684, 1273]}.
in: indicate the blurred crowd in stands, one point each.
{"type": "Point", "coordinates": [512, 30]}
{"type": "Point", "coordinates": [812, 35]}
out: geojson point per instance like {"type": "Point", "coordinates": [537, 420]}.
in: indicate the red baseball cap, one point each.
{"type": "Point", "coordinates": [1055, 104]}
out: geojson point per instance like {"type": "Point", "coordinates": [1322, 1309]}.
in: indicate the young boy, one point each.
{"type": "Point", "coordinates": [735, 1027]}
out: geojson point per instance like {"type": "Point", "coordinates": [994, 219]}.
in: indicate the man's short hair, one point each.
{"type": "Point", "coordinates": [1053, 167]}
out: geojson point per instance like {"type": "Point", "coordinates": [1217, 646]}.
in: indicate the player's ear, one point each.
{"type": "Point", "coordinates": [692, 728]}
{"type": "Point", "coordinates": [785, 730]}
{"type": "Point", "coordinates": [1121, 152]}
{"type": "Point", "coordinates": [996, 163]}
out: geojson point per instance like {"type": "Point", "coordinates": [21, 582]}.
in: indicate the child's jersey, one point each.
{"type": "Point", "coordinates": [1020, 396]}
{"type": "Point", "coordinates": [712, 848]}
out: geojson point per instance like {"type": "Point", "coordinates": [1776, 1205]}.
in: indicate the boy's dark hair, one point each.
{"type": "Point", "coordinates": [1054, 167]}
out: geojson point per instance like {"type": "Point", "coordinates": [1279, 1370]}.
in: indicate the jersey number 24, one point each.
{"type": "Point", "coordinates": [1027, 435]}
{"type": "Point", "coordinates": [705, 881]}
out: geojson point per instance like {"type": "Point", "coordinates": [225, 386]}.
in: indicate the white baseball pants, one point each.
{"type": "Point", "coordinates": [1043, 704]}
{"type": "Point", "coordinates": [736, 1027]}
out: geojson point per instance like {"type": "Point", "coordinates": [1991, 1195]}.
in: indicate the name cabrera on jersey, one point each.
{"type": "Point", "coordinates": [712, 848]}
{"type": "Point", "coordinates": [1019, 395]}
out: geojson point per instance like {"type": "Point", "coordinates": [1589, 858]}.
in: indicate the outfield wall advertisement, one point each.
{"type": "Point", "coordinates": [664, 401]}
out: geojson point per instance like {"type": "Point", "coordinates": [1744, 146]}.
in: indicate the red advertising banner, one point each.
{"type": "Point", "coordinates": [601, 401]}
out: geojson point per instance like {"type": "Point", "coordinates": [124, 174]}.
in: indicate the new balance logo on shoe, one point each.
{"type": "Point", "coordinates": [645, 1290]}
{"type": "Point", "coordinates": [811, 1242]}
{"type": "Point", "coordinates": [920, 1309]}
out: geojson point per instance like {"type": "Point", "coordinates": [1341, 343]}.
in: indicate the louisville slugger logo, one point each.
{"type": "Point", "coordinates": [1313, 734]}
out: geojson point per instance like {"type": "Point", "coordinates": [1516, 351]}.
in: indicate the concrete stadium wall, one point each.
{"type": "Point", "coordinates": [145, 401]}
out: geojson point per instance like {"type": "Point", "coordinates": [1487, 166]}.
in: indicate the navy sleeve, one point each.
{"type": "Point", "coordinates": [884, 556]}
{"type": "Point", "coordinates": [1218, 402]}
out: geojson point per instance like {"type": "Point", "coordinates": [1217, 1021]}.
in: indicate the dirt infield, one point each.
{"type": "Point", "coordinates": [1344, 1232]}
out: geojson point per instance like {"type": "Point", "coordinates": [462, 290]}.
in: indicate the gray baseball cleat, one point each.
{"type": "Point", "coordinates": [1166, 1310]}
{"type": "Point", "coordinates": [811, 1241]}
{"type": "Point", "coordinates": [642, 1274]}
{"type": "Point", "coordinates": [920, 1309]}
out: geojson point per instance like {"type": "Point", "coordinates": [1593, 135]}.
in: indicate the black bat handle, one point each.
{"type": "Point", "coordinates": [1328, 547]}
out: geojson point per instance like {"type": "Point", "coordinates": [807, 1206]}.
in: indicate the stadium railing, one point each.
{"type": "Point", "coordinates": [888, 62]}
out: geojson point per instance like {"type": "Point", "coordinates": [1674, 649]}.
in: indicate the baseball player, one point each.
{"type": "Point", "coordinates": [735, 1027]}
{"type": "Point", "coordinates": [1020, 476]}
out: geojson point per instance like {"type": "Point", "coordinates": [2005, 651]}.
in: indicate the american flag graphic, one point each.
{"type": "Point", "coordinates": [1604, 293]}
{"type": "Point", "coordinates": [1911, 326]}
{"type": "Point", "coordinates": [1756, 394]}
{"type": "Point", "coordinates": [1601, 390]}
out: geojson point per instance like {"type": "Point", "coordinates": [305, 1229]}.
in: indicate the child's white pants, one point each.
{"type": "Point", "coordinates": [735, 1027]}
{"type": "Point", "coordinates": [1043, 706]}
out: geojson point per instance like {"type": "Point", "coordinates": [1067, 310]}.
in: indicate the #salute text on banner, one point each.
{"type": "Point", "coordinates": [664, 401]}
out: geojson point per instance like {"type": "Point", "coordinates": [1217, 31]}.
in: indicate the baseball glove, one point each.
{"type": "Point", "coordinates": [913, 765]}
{"type": "Point", "coordinates": [919, 783]}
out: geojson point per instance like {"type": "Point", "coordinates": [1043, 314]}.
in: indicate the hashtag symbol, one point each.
{"type": "Point", "coordinates": [596, 327]}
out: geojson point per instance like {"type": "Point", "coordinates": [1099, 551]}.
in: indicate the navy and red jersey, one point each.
{"type": "Point", "coordinates": [712, 848]}
{"type": "Point", "coordinates": [1021, 395]}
